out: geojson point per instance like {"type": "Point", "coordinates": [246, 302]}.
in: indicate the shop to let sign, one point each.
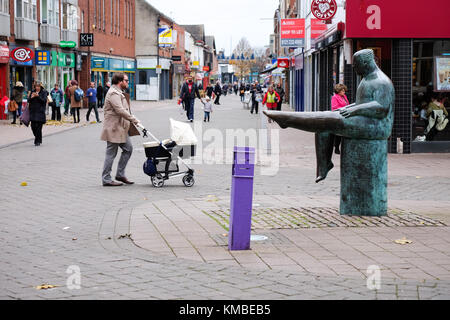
{"type": "Point", "coordinates": [4, 54]}
{"type": "Point", "coordinates": [317, 28]}
{"type": "Point", "coordinates": [292, 32]}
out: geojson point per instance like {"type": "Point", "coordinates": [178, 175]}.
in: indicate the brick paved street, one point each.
{"type": "Point", "coordinates": [64, 217]}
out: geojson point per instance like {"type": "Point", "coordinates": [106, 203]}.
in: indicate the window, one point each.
{"type": "Point", "coordinates": [26, 9]}
{"type": "Point", "coordinates": [112, 19]}
{"type": "Point", "coordinates": [4, 6]}
{"type": "Point", "coordinates": [50, 12]}
{"type": "Point", "coordinates": [69, 17]}
{"type": "Point", "coordinates": [131, 20]}
{"type": "Point", "coordinates": [95, 13]}
{"type": "Point", "coordinates": [82, 21]}
{"type": "Point", "coordinates": [126, 20]}
{"type": "Point", "coordinates": [118, 17]}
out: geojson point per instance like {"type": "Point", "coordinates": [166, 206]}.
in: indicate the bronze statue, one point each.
{"type": "Point", "coordinates": [365, 126]}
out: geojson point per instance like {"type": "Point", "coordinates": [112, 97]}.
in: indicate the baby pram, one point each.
{"type": "Point", "coordinates": [164, 157]}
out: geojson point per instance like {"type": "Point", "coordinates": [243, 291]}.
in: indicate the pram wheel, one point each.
{"type": "Point", "coordinates": [157, 181]}
{"type": "Point", "coordinates": [188, 180]}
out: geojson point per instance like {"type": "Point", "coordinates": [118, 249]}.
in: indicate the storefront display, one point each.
{"type": "Point", "coordinates": [442, 74]}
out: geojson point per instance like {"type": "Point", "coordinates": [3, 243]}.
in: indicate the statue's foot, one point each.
{"type": "Point", "coordinates": [277, 117]}
{"type": "Point", "coordinates": [323, 176]}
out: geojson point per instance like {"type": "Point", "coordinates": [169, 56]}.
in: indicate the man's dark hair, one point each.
{"type": "Point", "coordinates": [117, 77]}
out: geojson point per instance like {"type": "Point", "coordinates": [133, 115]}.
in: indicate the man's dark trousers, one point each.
{"type": "Point", "coordinates": [92, 105]}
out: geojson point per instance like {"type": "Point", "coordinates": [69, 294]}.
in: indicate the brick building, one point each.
{"type": "Point", "coordinates": [112, 24]}
{"type": "Point", "coordinates": [31, 32]}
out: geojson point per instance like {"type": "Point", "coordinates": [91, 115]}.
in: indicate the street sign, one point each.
{"type": "Point", "coordinates": [324, 9]}
{"type": "Point", "coordinates": [67, 44]}
{"type": "Point", "coordinates": [86, 39]}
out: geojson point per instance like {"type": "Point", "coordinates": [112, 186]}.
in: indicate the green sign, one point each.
{"type": "Point", "coordinates": [67, 44]}
{"type": "Point", "coordinates": [63, 59]}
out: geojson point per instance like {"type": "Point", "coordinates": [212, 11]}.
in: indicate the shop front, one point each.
{"type": "Point", "coordinates": [44, 70]}
{"type": "Point", "coordinates": [4, 60]}
{"type": "Point", "coordinates": [103, 68]}
{"type": "Point", "coordinates": [416, 56]}
{"type": "Point", "coordinates": [64, 63]}
{"type": "Point", "coordinates": [21, 65]}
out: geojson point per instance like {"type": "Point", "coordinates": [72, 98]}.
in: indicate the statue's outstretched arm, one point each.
{"type": "Point", "coordinates": [378, 108]}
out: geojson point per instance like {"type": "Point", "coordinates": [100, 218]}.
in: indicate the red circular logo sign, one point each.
{"type": "Point", "coordinates": [324, 9]}
{"type": "Point", "coordinates": [22, 54]}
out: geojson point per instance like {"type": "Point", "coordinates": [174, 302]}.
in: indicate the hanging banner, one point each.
{"type": "Point", "coordinates": [4, 54]}
{"type": "Point", "coordinates": [292, 33]}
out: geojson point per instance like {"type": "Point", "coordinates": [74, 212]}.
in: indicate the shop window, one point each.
{"type": "Point", "coordinates": [142, 77]}
{"type": "Point", "coordinates": [425, 91]}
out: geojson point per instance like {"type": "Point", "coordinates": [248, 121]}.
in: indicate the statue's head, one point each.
{"type": "Point", "coordinates": [364, 62]}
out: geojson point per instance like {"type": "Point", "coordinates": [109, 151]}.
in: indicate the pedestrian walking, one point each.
{"type": "Point", "coordinates": [242, 91]}
{"type": "Point", "coordinates": [225, 89]}
{"type": "Point", "coordinates": [17, 97]}
{"type": "Point", "coordinates": [91, 93]}
{"type": "Point", "coordinates": [100, 95]}
{"type": "Point", "coordinates": [105, 89]}
{"type": "Point", "coordinates": [256, 98]}
{"type": "Point", "coordinates": [67, 99]}
{"type": "Point", "coordinates": [118, 125]}
{"type": "Point", "coordinates": [207, 107]}
{"type": "Point", "coordinates": [187, 95]}
{"type": "Point", "coordinates": [57, 97]}
{"type": "Point", "coordinates": [339, 100]}
{"type": "Point", "coordinates": [76, 100]}
{"type": "Point", "coordinates": [279, 89]}
{"type": "Point", "coordinates": [37, 101]}
{"type": "Point", "coordinates": [217, 92]}
{"type": "Point", "coordinates": [271, 98]}
{"type": "Point", "coordinates": [210, 90]}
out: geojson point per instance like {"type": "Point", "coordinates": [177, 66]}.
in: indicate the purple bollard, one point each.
{"type": "Point", "coordinates": [241, 198]}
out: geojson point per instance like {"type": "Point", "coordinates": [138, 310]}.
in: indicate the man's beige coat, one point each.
{"type": "Point", "coordinates": [117, 117]}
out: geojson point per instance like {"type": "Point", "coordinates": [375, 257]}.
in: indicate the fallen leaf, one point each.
{"type": "Point", "coordinates": [24, 184]}
{"type": "Point", "coordinates": [46, 286]}
{"type": "Point", "coordinates": [403, 241]}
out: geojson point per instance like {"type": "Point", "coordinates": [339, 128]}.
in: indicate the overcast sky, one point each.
{"type": "Point", "coordinates": [227, 20]}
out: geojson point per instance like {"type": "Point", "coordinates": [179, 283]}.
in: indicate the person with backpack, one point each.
{"type": "Point", "coordinates": [76, 100]}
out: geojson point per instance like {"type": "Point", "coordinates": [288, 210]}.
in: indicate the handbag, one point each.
{"type": "Point", "coordinates": [133, 131]}
{"type": "Point", "coordinates": [25, 116]}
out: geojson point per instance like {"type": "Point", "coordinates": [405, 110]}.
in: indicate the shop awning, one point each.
{"type": "Point", "coordinates": [273, 67]}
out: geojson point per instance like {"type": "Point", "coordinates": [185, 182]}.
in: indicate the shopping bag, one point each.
{"type": "Point", "coordinates": [25, 117]}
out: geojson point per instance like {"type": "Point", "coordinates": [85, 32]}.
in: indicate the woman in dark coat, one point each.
{"type": "Point", "coordinates": [37, 101]}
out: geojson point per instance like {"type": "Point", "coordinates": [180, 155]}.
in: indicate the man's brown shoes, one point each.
{"type": "Point", "coordinates": [112, 184]}
{"type": "Point", "coordinates": [124, 180]}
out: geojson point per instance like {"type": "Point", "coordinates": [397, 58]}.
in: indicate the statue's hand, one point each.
{"type": "Point", "coordinates": [348, 111]}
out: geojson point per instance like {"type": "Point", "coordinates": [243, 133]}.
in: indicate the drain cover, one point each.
{"type": "Point", "coordinates": [258, 237]}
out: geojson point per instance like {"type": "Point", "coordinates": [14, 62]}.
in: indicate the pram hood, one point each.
{"type": "Point", "coordinates": [182, 133]}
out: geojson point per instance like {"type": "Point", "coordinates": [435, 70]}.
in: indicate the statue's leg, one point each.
{"type": "Point", "coordinates": [324, 152]}
{"type": "Point", "coordinates": [308, 121]}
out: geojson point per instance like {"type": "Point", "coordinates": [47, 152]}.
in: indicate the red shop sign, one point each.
{"type": "Point", "coordinates": [4, 54]}
{"type": "Point", "coordinates": [324, 9]}
{"type": "Point", "coordinates": [22, 54]}
{"type": "Point", "coordinates": [393, 19]}
{"type": "Point", "coordinates": [283, 62]}
{"type": "Point", "coordinates": [206, 68]}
